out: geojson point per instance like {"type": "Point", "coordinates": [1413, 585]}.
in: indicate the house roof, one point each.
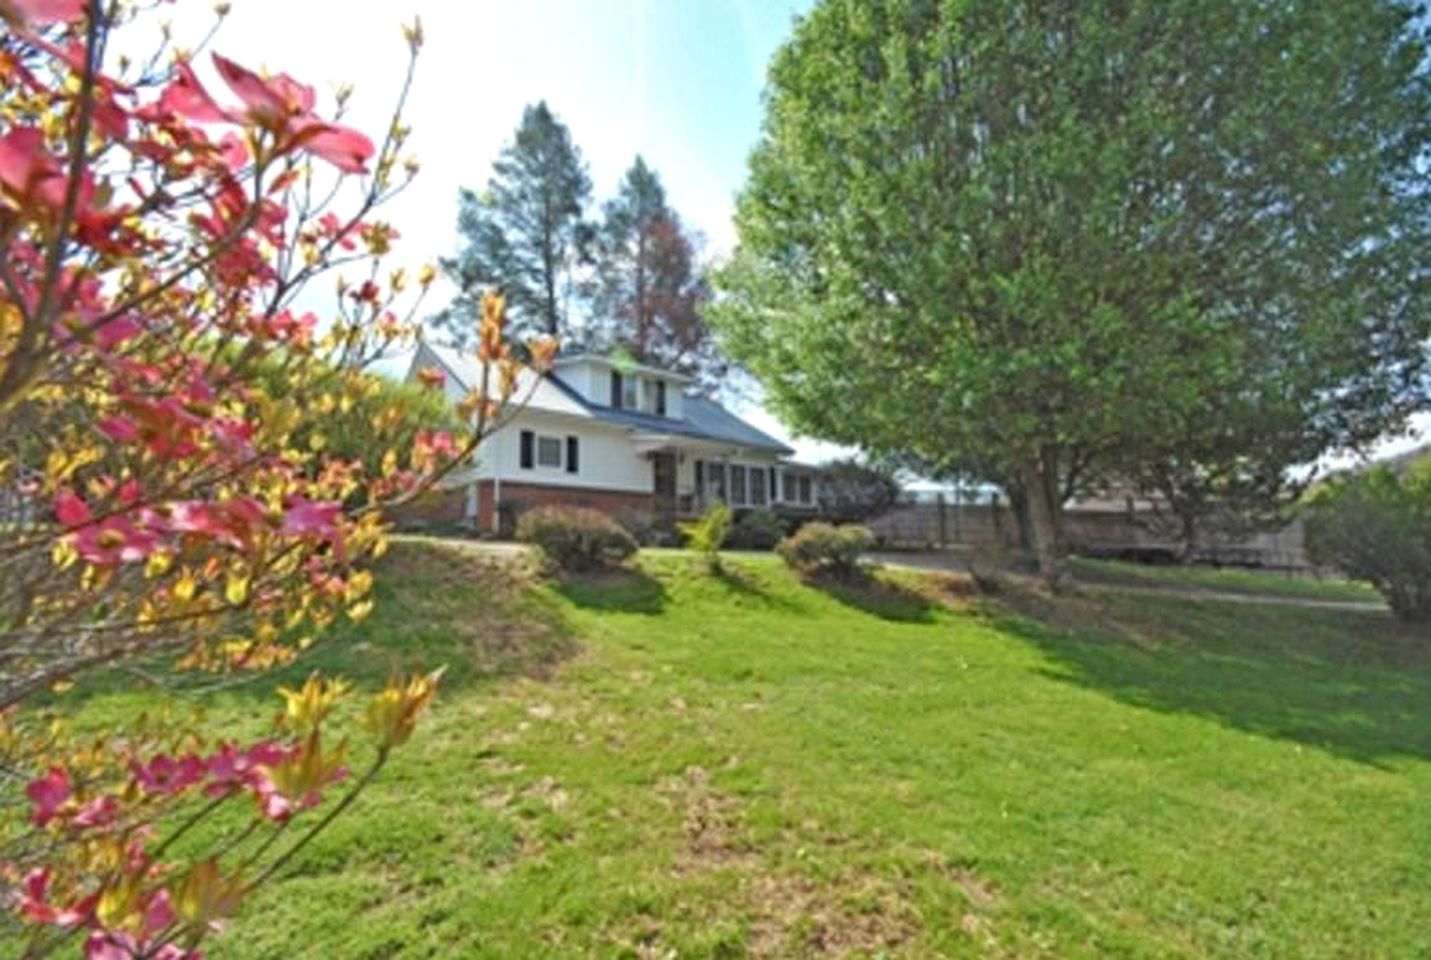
{"type": "Point", "coordinates": [702, 418]}
{"type": "Point", "coordinates": [625, 366]}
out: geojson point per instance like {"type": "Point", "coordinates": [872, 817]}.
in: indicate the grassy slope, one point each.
{"type": "Point", "coordinates": [742, 764]}
{"type": "Point", "coordinates": [1226, 580]}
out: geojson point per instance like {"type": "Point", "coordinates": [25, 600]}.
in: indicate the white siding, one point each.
{"type": "Point", "coordinates": [606, 458]}
{"type": "Point", "coordinates": [675, 400]}
{"type": "Point", "coordinates": [592, 379]}
{"type": "Point", "coordinates": [588, 379]}
{"type": "Point", "coordinates": [532, 391]}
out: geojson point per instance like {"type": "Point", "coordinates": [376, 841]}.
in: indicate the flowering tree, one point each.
{"type": "Point", "coordinates": [158, 496]}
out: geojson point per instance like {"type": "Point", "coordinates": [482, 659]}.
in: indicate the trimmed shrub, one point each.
{"type": "Point", "coordinates": [643, 525]}
{"type": "Point", "coordinates": [576, 539]}
{"type": "Point", "coordinates": [757, 530]}
{"type": "Point", "coordinates": [824, 547]}
{"type": "Point", "coordinates": [1376, 527]}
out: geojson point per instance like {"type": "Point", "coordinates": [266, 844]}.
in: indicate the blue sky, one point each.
{"type": "Point", "coordinates": [678, 81]}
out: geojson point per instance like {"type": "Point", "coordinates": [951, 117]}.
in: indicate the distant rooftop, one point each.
{"type": "Point", "coordinates": [1406, 461]}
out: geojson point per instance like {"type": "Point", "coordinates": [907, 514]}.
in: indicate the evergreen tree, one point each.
{"type": "Point", "coordinates": [648, 292]}
{"type": "Point", "coordinates": [524, 234]}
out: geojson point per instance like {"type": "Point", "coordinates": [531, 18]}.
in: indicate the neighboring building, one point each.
{"type": "Point", "coordinates": [1406, 461]}
{"type": "Point", "coordinates": [626, 439]}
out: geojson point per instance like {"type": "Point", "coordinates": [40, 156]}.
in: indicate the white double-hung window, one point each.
{"type": "Point", "coordinates": [548, 451]}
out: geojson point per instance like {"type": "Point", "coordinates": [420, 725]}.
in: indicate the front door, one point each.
{"type": "Point", "coordinates": [663, 467]}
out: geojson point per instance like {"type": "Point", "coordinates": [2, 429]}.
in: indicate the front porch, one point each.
{"type": "Point", "coordinates": [689, 476]}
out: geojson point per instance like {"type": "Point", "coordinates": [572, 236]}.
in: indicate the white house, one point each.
{"type": "Point", "coordinates": [630, 440]}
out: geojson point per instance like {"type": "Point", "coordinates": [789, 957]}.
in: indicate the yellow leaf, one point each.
{"type": "Point", "coordinates": [63, 553]}
{"type": "Point", "coordinates": [158, 563]}
{"type": "Point", "coordinates": [236, 589]}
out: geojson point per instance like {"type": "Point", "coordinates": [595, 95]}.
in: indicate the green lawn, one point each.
{"type": "Point", "coordinates": [1225, 580]}
{"type": "Point", "coordinates": [676, 764]}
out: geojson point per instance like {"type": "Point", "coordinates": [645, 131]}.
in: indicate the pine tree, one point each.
{"type": "Point", "coordinates": [524, 233]}
{"type": "Point", "coordinates": [649, 292]}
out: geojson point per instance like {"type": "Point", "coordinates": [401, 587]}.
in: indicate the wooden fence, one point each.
{"type": "Point", "coordinates": [1090, 532]}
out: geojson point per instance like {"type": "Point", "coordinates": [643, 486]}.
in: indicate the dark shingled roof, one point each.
{"type": "Point", "coordinates": [703, 418]}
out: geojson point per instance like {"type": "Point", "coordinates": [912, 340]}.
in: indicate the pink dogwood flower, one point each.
{"type": "Point", "coordinates": [47, 794]}
{"type": "Point", "coordinates": [278, 104]}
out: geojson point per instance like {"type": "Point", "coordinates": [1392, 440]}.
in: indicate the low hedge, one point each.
{"type": "Point", "coordinates": [756, 530]}
{"type": "Point", "coordinates": [824, 547]}
{"type": "Point", "coordinates": [576, 539]}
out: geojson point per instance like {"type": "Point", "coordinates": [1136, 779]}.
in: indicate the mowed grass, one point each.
{"type": "Point", "coordinates": [675, 763]}
{"type": "Point", "coordinates": [1225, 580]}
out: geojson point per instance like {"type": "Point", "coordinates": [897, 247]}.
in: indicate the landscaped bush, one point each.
{"type": "Point", "coordinates": [576, 538]}
{"type": "Point", "coordinates": [1376, 527]}
{"type": "Point", "coordinates": [647, 528]}
{"type": "Point", "coordinates": [757, 530]}
{"type": "Point", "coordinates": [989, 566]}
{"type": "Point", "coordinates": [707, 535]}
{"type": "Point", "coordinates": [824, 547]}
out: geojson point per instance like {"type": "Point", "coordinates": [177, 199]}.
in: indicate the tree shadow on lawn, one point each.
{"type": "Point", "coordinates": [618, 590]}
{"type": "Point", "coordinates": [1356, 684]}
{"type": "Point", "coordinates": [436, 606]}
{"type": "Point", "coordinates": [747, 586]}
{"type": "Point", "coordinates": [876, 594]}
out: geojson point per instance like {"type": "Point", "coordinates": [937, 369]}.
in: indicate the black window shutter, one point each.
{"type": "Point", "coordinates": [700, 475]}
{"type": "Point", "coordinates": [774, 490]}
{"type": "Point", "coordinates": [571, 455]}
{"type": "Point", "coordinates": [616, 389]}
{"type": "Point", "coordinates": [660, 398]}
{"type": "Point", "coordinates": [529, 441]}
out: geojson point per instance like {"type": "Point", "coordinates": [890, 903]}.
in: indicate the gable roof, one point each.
{"type": "Point", "coordinates": [624, 366]}
{"type": "Point", "coordinates": [702, 418]}
{"type": "Point", "coordinates": [545, 395]}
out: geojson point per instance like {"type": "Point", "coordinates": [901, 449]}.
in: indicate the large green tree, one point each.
{"type": "Point", "coordinates": [525, 233]}
{"type": "Point", "coordinates": [649, 289]}
{"type": "Point", "coordinates": [1047, 234]}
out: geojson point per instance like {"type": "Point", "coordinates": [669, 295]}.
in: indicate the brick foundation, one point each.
{"type": "Point", "coordinates": [517, 498]}
{"type": "Point", "coordinates": [438, 507]}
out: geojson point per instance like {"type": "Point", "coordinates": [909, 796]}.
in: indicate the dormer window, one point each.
{"type": "Point", "coordinates": [630, 387]}
{"type": "Point", "coordinates": [653, 396]}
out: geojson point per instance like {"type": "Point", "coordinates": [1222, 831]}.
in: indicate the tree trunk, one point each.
{"type": "Point", "coordinates": [1187, 538]}
{"type": "Point", "coordinates": [1019, 504]}
{"type": "Point", "coordinates": [1044, 509]}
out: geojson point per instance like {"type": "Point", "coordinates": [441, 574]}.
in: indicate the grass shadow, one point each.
{"type": "Point", "coordinates": [1355, 684]}
{"type": "Point", "coordinates": [620, 590]}
{"type": "Point", "coordinates": [436, 605]}
{"type": "Point", "coordinates": [746, 586]}
{"type": "Point", "coordinates": [877, 594]}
